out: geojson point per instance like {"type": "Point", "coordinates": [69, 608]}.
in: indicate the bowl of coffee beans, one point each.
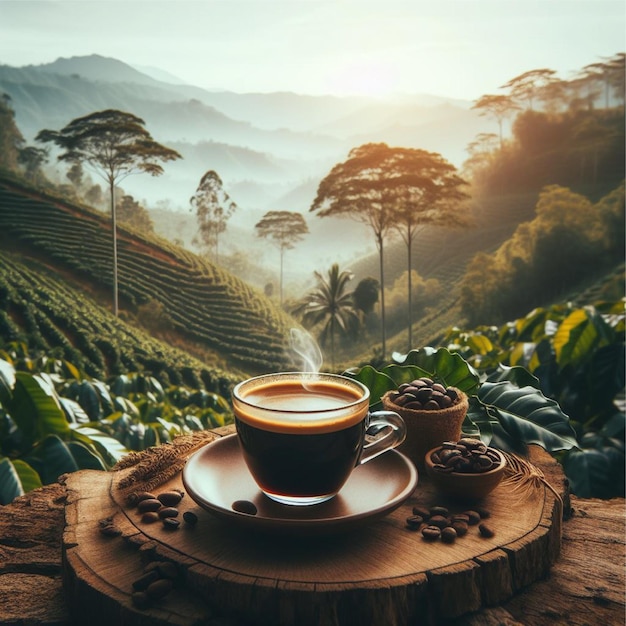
{"type": "Point", "coordinates": [466, 469]}
{"type": "Point", "coordinates": [432, 411]}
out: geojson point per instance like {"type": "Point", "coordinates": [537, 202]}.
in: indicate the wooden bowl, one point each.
{"type": "Point", "coordinates": [468, 487]}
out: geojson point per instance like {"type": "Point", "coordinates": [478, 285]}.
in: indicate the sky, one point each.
{"type": "Point", "coordinates": [451, 48]}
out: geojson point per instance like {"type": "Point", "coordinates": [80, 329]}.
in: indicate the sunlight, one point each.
{"type": "Point", "coordinates": [363, 78]}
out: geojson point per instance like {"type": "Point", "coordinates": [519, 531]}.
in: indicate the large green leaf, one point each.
{"type": "Point", "coordinates": [377, 382]}
{"type": "Point", "coordinates": [109, 448]}
{"type": "Point", "coordinates": [580, 335]}
{"type": "Point", "coordinates": [51, 458]}
{"type": "Point", "coordinates": [595, 473]}
{"type": "Point", "coordinates": [85, 457]}
{"type": "Point", "coordinates": [16, 479]}
{"type": "Point", "coordinates": [35, 409]}
{"type": "Point", "coordinates": [524, 415]}
{"type": "Point", "coordinates": [451, 369]}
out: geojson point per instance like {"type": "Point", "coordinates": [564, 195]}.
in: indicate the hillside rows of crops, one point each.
{"type": "Point", "coordinates": [39, 310]}
{"type": "Point", "coordinates": [203, 303]}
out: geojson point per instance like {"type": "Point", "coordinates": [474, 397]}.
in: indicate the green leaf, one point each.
{"type": "Point", "coordinates": [51, 458]}
{"type": "Point", "coordinates": [579, 335]}
{"type": "Point", "coordinates": [35, 409]}
{"type": "Point", "coordinates": [451, 369]}
{"type": "Point", "coordinates": [109, 448]}
{"type": "Point", "coordinates": [16, 479]}
{"type": "Point", "coordinates": [526, 415]}
{"type": "Point", "coordinates": [377, 382]}
{"type": "Point", "coordinates": [595, 473]}
{"type": "Point", "coordinates": [84, 457]}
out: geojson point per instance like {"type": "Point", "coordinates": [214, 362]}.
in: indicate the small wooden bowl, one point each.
{"type": "Point", "coordinates": [468, 487]}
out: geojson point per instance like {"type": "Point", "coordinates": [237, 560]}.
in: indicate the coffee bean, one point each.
{"type": "Point", "coordinates": [141, 584]}
{"type": "Point", "coordinates": [168, 511]}
{"type": "Point", "coordinates": [159, 588]}
{"type": "Point", "coordinates": [167, 569]}
{"type": "Point", "coordinates": [431, 533]}
{"type": "Point", "coordinates": [110, 531]}
{"type": "Point", "coordinates": [140, 600]}
{"type": "Point", "coordinates": [190, 518]}
{"type": "Point", "coordinates": [149, 504]}
{"type": "Point", "coordinates": [169, 498]}
{"type": "Point", "coordinates": [484, 513]}
{"type": "Point", "coordinates": [465, 456]}
{"type": "Point", "coordinates": [171, 523]}
{"type": "Point", "coordinates": [144, 495]}
{"type": "Point", "coordinates": [244, 506]}
{"type": "Point", "coordinates": [438, 510]}
{"type": "Point", "coordinates": [473, 517]}
{"type": "Point", "coordinates": [149, 517]}
{"type": "Point", "coordinates": [485, 531]}
{"type": "Point", "coordinates": [461, 528]}
{"type": "Point", "coordinates": [424, 394]}
{"type": "Point", "coordinates": [414, 521]}
{"type": "Point", "coordinates": [448, 535]}
{"type": "Point", "coordinates": [422, 512]}
{"type": "Point", "coordinates": [438, 520]}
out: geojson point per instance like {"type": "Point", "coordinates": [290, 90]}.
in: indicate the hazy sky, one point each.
{"type": "Point", "coordinates": [455, 48]}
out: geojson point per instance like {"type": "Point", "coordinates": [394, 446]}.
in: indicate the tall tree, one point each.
{"type": "Point", "coordinates": [11, 139]}
{"type": "Point", "coordinates": [214, 208]}
{"type": "Point", "coordinates": [431, 193]}
{"type": "Point", "coordinates": [330, 305]}
{"type": "Point", "coordinates": [526, 86]}
{"type": "Point", "coordinates": [284, 229]}
{"type": "Point", "coordinates": [115, 145]}
{"type": "Point", "coordinates": [497, 107]}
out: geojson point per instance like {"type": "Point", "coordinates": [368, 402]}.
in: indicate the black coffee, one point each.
{"type": "Point", "coordinates": [301, 441]}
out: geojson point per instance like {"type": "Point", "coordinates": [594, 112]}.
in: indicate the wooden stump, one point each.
{"type": "Point", "coordinates": [381, 573]}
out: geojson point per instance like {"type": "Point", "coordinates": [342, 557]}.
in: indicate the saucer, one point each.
{"type": "Point", "coordinates": [216, 476]}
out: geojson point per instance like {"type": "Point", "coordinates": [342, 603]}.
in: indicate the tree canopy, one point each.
{"type": "Point", "coordinates": [214, 208]}
{"type": "Point", "coordinates": [115, 144]}
{"type": "Point", "coordinates": [284, 229]}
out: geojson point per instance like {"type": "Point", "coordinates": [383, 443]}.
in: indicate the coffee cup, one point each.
{"type": "Point", "coordinates": [302, 434]}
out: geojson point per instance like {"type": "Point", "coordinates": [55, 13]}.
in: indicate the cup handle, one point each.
{"type": "Point", "coordinates": [396, 432]}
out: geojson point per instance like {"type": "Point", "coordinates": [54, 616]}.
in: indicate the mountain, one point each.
{"type": "Point", "coordinates": [269, 149]}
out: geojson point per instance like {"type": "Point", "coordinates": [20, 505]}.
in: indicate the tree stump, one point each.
{"type": "Point", "coordinates": [380, 573]}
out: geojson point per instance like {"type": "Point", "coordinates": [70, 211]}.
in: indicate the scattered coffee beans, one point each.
{"type": "Point", "coordinates": [437, 522]}
{"type": "Point", "coordinates": [423, 394]}
{"type": "Point", "coordinates": [157, 580]}
{"type": "Point", "coordinates": [244, 506]}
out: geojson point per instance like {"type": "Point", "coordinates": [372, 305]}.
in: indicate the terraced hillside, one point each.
{"type": "Point", "coordinates": [211, 310]}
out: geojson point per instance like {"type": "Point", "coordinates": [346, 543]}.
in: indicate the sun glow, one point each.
{"type": "Point", "coordinates": [364, 79]}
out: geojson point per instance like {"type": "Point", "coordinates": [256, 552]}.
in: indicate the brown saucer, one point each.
{"type": "Point", "coordinates": [216, 476]}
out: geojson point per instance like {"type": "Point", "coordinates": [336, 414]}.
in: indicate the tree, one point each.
{"type": "Point", "coordinates": [115, 144]}
{"type": "Point", "coordinates": [497, 107]}
{"type": "Point", "coordinates": [430, 194]}
{"type": "Point", "coordinates": [32, 159]}
{"type": "Point", "coordinates": [213, 209]}
{"type": "Point", "coordinates": [284, 229]}
{"type": "Point", "coordinates": [365, 295]}
{"type": "Point", "coordinates": [131, 212]}
{"type": "Point", "coordinates": [11, 139]}
{"type": "Point", "coordinates": [526, 86]}
{"type": "Point", "coordinates": [331, 305]}
{"type": "Point", "coordinates": [380, 186]}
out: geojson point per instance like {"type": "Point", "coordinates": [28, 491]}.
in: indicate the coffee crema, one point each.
{"type": "Point", "coordinates": [294, 406]}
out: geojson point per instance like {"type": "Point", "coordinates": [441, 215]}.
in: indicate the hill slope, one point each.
{"type": "Point", "coordinates": [209, 312]}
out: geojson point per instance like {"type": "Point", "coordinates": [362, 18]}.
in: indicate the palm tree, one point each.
{"type": "Point", "coordinates": [331, 305]}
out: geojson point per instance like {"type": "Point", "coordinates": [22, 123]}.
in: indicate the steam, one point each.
{"type": "Point", "coordinates": [304, 347]}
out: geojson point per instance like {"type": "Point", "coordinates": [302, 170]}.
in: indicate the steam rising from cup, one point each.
{"type": "Point", "coordinates": [304, 347]}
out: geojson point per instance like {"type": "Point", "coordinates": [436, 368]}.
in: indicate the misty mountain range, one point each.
{"type": "Point", "coordinates": [268, 144]}
{"type": "Point", "coordinates": [270, 149]}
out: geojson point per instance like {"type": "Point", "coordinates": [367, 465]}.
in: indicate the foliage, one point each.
{"type": "Point", "coordinates": [54, 419]}
{"type": "Point", "coordinates": [209, 310]}
{"type": "Point", "coordinates": [116, 145]}
{"type": "Point", "coordinates": [576, 355]}
{"type": "Point", "coordinates": [213, 209]}
{"type": "Point", "coordinates": [330, 306]}
{"type": "Point", "coordinates": [133, 213]}
{"type": "Point", "coordinates": [392, 189]}
{"type": "Point", "coordinates": [569, 239]}
{"type": "Point", "coordinates": [284, 229]}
